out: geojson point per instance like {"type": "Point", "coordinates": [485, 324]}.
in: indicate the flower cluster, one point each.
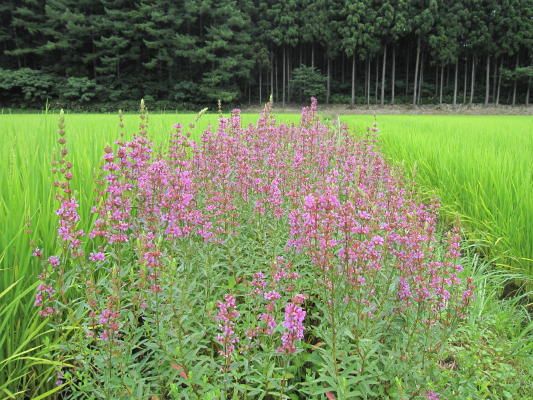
{"type": "Point", "coordinates": [293, 323]}
{"type": "Point", "coordinates": [109, 322]}
{"type": "Point", "coordinates": [372, 250]}
{"type": "Point", "coordinates": [227, 315]}
{"type": "Point", "coordinates": [43, 299]}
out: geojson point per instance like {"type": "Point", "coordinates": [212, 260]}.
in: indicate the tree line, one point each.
{"type": "Point", "coordinates": [188, 52]}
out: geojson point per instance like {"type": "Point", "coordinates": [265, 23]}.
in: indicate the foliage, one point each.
{"type": "Point", "coordinates": [309, 82]}
{"type": "Point", "coordinates": [79, 89]}
{"type": "Point", "coordinates": [521, 73]}
{"type": "Point", "coordinates": [488, 356]}
{"type": "Point", "coordinates": [446, 162]}
{"type": "Point", "coordinates": [389, 284]}
{"type": "Point", "coordinates": [226, 49]}
{"type": "Point", "coordinates": [33, 86]}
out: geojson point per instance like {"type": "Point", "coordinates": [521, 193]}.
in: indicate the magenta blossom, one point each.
{"type": "Point", "coordinates": [227, 315]}
{"type": "Point", "coordinates": [97, 257]}
{"type": "Point", "coordinates": [431, 395]}
{"type": "Point", "coordinates": [54, 261]}
{"type": "Point", "coordinates": [293, 323]}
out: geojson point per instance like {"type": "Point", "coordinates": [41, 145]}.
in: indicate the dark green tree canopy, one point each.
{"type": "Point", "coordinates": [193, 52]}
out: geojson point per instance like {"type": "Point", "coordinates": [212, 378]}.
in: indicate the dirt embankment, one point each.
{"type": "Point", "coordinates": [407, 109]}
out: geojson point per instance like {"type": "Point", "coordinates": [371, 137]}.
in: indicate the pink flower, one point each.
{"type": "Point", "coordinates": [109, 321]}
{"type": "Point", "coordinates": [97, 257]}
{"type": "Point", "coordinates": [270, 322]}
{"type": "Point", "coordinates": [54, 261]}
{"type": "Point", "coordinates": [37, 252]}
{"type": "Point", "coordinates": [293, 323]}
{"type": "Point", "coordinates": [404, 290]}
{"type": "Point", "coordinates": [431, 395]}
{"type": "Point", "coordinates": [299, 298]}
{"type": "Point", "coordinates": [227, 315]}
{"type": "Point", "coordinates": [272, 295]}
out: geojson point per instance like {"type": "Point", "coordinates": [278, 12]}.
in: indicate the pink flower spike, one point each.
{"type": "Point", "coordinates": [54, 261]}
{"type": "Point", "coordinates": [97, 257]}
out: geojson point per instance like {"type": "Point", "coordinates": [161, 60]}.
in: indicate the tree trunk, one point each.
{"type": "Point", "coordinates": [284, 76]}
{"type": "Point", "coordinates": [527, 91]}
{"type": "Point", "coordinates": [272, 77]}
{"type": "Point", "coordinates": [472, 79]}
{"type": "Point", "coordinates": [436, 80]}
{"type": "Point", "coordinates": [288, 76]}
{"type": "Point", "coordinates": [343, 65]}
{"type": "Point", "coordinates": [301, 55]}
{"type": "Point", "coordinates": [487, 82]}
{"type": "Point", "coordinates": [377, 82]}
{"type": "Point", "coordinates": [416, 70]}
{"type": "Point", "coordinates": [328, 81]}
{"type": "Point", "coordinates": [421, 82]}
{"type": "Point", "coordinates": [514, 83]}
{"type": "Point", "coordinates": [441, 83]}
{"type": "Point", "coordinates": [368, 82]}
{"type": "Point", "coordinates": [313, 55]}
{"type": "Point", "coordinates": [383, 75]}
{"type": "Point", "coordinates": [499, 82]}
{"type": "Point", "coordinates": [455, 82]}
{"type": "Point", "coordinates": [393, 73]}
{"type": "Point", "coordinates": [494, 78]}
{"type": "Point", "coordinates": [260, 86]}
{"type": "Point", "coordinates": [353, 79]}
{"type": "Point", "coordinates": [407, 71]}
{"type": "Point", "coordinates": [466, 78]}
{"type": "Point", "coordinates": [277, 79]}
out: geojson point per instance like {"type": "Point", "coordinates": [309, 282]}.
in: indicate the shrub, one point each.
{"type": "Point", "coordinates": [81, 90]}
{"type": "Point", "coordinates": [272, 260]}
{"type": "Point", "coordinates": [308, 82]}
{"type": "Point", "coordinates": [28, 85]}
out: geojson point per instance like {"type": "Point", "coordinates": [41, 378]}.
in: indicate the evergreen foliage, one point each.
{"type": "Point", "coordinates": [192, 52]}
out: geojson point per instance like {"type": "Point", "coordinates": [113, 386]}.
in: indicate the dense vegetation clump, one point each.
{"type": "Point", "coordinates": [278, 261]}
{"type": "Point", "coordinates": [92, 54]}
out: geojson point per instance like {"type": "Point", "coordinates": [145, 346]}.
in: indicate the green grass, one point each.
{"type": "Point", "coordinates": [478, 165]}
{"type": "Point", "coordinates": [481, 169]}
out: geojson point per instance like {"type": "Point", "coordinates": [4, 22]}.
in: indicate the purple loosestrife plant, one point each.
{"type": "Point", "coordinates": [339, 274]}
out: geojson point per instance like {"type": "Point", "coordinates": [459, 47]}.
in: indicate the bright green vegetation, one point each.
{"type": "Point", "coordinates": [481, 169]}
{"type": "Point", "coordinates": [479, 166]}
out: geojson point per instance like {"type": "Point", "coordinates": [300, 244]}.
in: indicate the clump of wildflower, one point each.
{"type": "Point", "coordinates": [44, 299]}
{"type": "Point", "coordinates": [431, 395]}
{"type": "Point", "coordinates": [293, 323]}
{"type": "Point", "coordinates": [109, 320]}
{"type": "Point", "coordinates": [54, 261]}
{"type": "Point", "coordinates": [59, 378]}
{"type": "Point", "coordinates": [68, 219]}
{"type": "Point", "coordinates": [227, 315]}
{"type": "Point", "coordinates": [97, 256]}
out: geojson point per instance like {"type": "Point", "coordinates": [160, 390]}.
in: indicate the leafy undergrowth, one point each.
{"type": "Point", "coordinates": [270, 261]}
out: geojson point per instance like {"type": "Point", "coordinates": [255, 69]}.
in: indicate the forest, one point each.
{"type": "Point", "coordinates": [89, 55]}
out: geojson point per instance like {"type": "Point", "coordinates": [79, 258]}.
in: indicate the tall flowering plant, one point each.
{"type": "Point", "coordinates": [268, 260]}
